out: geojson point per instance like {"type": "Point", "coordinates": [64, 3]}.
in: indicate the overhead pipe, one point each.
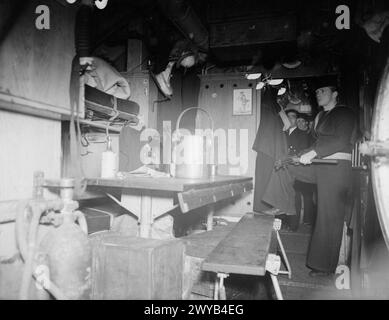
{"type": "Point", "coordinates": [83, 31]}
{"type": "Point", "coordinates": [187, 21]}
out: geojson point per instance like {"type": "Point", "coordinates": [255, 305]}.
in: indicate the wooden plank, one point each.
{"type": "Point", "coordinates": [245, 248]}
{"type": "Point", "coordinates": [200, 245]}
{"type": "Point", "coordinates": [193, 199]}
{"type": "Point", "coordinates": [166, 183]}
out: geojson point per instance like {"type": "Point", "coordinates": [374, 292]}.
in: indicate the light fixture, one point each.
{"type": "Point", "coordinates": [275, 82]}
{"type": "Point", "coordinates": [101, 4]}
{"type": "Point", "coordinates": [281, 91]}
{"type": "Point", "coordinates": [253, 76]}
{"type": "Point", "coordinates": [260, 85]}
{"type": "Point", "coordinates": [188, 61]}
{"type": "Point", "coordinates": [292, 65]}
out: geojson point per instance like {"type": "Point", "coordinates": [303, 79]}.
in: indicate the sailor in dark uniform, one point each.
{"type": "Point", "coordinates": [334, 129]}
{"type": "Point", "coordinates": [298, 140]}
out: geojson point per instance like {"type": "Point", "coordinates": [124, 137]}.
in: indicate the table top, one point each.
{"type": "Point", "coordinates": [166, 183]}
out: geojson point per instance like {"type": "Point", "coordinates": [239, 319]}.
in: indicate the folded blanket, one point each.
{"type": "Point", "coordinates": [107, 79]}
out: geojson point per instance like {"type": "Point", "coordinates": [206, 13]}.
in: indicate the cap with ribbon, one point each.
{"type": "Point", "coordinates": [326, 81]}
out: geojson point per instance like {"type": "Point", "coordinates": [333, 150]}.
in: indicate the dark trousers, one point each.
{"type": "Point", "coordinates": [333, 190]}
{"type": "Point", "coordinates": [303, 195]}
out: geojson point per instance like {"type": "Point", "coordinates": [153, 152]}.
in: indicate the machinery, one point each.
{"type": "Point", "coordinates": [60, 262]}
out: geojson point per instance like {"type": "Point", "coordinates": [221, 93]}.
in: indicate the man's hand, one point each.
{"type": "Point", "coordinates": [306, 158]}
{"type": "Point", "coordinates": [295, 160]}
{"type": "Point", "coordinates": [278, 165]}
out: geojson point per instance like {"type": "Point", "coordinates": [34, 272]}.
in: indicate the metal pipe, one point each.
{"type": "Point", "coordinates": [83, 31]}
{"type": "Point", "coordinates": [29, 255]}
{"type": "Point", "coordinates": [100, 126]}
{"type": "Point", "coordinates": [187, 21]}
{"type": "Point", "coordinates": [27, 248]}
{"type": "Point", "coordinates": [80, 218]}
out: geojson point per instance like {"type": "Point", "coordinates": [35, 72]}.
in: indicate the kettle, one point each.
{"type": "Point", "coordinates": [193, 164]}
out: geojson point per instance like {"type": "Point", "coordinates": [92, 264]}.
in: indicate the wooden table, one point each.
{"type": "Point", "coordinates": [150, 197]}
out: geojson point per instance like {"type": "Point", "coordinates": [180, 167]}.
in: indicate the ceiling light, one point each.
{"type": "Point", "coordinates": [101, 4]}
{"type": "Point", "coordinates": [281, 91]}
{"type": "Point", "coordinates": [260, 85]}
{"type": "Point", "coordinates": [188, 61]}
{"type": "Point", "coordinates": [292, 65]}
{"type": "Point", "coordinates": [253, 76]}
{"type": "Point", "coordinates": [275, 82]}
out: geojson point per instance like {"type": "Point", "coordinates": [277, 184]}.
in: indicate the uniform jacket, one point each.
{"type": "Point", "coordinates": [334, 131]}
{"type": "Point", "coordinates": [298, 141]}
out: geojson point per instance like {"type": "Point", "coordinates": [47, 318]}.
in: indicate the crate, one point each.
{"type": "Point", "coordinates": [133, 268]}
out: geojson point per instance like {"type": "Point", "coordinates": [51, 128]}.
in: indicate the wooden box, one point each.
{"type": "Point", "coordinates": [132, 268]}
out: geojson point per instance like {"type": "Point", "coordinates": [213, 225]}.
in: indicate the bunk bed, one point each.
{"type": "Point", "coordinates": [103, 110]}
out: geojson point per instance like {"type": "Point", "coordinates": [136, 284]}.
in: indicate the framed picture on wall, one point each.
{"type": "Point", "coordinates": [243, 102]}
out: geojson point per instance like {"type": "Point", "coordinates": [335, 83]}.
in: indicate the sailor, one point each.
{"type": "Point", "coordinates": [334, 130]}
{"type": "Point", "coordinates": [299, 140]}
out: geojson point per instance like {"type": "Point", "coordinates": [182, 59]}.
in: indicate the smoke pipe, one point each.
{"type": "Point", "coordinates": [83, 31]}
{"type": "Point", "coordinates": [187, 21]}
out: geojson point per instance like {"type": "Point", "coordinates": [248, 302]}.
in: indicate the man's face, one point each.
{"type": "Point", "coordinates": [292, 118]}
{"type": "Point", "coordinates": [302, 124]}
{"type": "Point", "coordinates": [325, 96]}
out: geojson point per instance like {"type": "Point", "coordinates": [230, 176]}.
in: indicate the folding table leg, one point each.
{"type": "Point", "coordinates": [273, 264]}
{"type": "Point", "coordinates": [220, 290]}
{"type": "Point", "coordinates": [216, 292]}
{"type": "Point", "coordinates": [145, 217]}
{"type": "Point", "coordinates": [211, 211]}
{"type": "Point", "coordinates": [276, 286]}
{"type": "Point", "coordinates": [277, 227]}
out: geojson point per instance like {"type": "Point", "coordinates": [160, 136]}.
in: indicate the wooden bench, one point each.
{"type": "Point", "coordinates": [250, 249]}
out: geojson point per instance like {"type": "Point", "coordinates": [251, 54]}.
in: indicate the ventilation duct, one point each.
{"type": "Point", "coordinates": [187, 21]}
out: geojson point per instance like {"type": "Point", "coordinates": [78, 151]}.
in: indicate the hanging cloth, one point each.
{"type": "Point", "coordinates": [272, 188]}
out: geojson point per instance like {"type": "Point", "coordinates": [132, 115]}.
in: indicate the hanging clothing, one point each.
{"type": "Point", "coordinates": [272, 188]}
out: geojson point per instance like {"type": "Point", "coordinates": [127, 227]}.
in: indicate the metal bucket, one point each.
{"type": "Point", "coordinates": [189, 159]}
{"type": "Point", "coordinates": [194, 171]}
{"type": "Point", "coordinates": [190, 163]}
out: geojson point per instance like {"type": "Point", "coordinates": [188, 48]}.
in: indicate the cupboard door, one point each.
{"type": "Point", "coordinates": [216, 96]}
{"type": "Point", "coordinates": [35, 65]}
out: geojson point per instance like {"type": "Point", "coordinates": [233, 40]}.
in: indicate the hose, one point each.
{"type": "Point", "coordinates": [83, 31]}
{"type": "Point", "coordinates": [80, 218]}
{"type": "Point", "coordinates": [29, 259]}
{"type": "Point", "coordinates": [21, 230]}
{"type": "Point", "coordinates": [28, 248]}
